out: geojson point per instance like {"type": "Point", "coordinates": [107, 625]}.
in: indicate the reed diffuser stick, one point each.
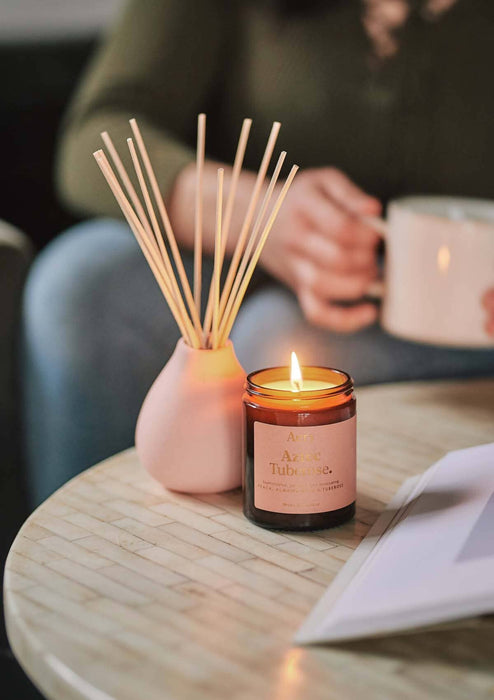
{"type": "Point", "coordinates": [130, 189]}
{"type": "Point", "coordinates": [126, 181]}
{"type": "Point", "coordinates": [167, 226]}
{"type": "Point", "coordinates": [201, 145]}
{"type": "Point", "coordinates": [153, 260]}
{"type": "Point", "coordinates": [155, 226]}
{"type": "Point", "coordinates": [254, 235]}
{"type": "Point", "coordinates": [249, 216]}
{"type": "Point", "coordinates": [223, 304]}
{"type": "Point", "coordinates": [237, 169]}
{"type": "Point", "coordinates": [217, 259]}
{"type": "Point", "coordinates": [227, 326]}
{"type": "Point", "coordinates": [150, 252]}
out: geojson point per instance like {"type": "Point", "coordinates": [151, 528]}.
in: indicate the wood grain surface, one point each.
{"type": "Point", "coordinates": [115, 588]}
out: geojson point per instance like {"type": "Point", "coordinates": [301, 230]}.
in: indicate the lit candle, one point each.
{"type": "Point", "coordinates": [300, 462]}
{"type": "Point", "coordinates": [296, 382]}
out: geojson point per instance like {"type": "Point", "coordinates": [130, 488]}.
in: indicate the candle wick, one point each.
{"type": "Point", "coordinates": [297, 384]}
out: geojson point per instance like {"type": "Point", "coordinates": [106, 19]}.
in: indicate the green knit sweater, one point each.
{"type": "Point", "coordinates": [419, 122]}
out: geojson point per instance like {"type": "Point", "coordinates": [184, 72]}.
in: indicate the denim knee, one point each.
{"type": "Point", "coordinates": [96, 331]}
{"type": "Point", "coordinates": [271, 324]}
{"type": "Point", "coordinates": [63, 280]}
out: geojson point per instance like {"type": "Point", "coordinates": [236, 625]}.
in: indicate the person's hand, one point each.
{"type": "Point", "coordinates": [488, 303]}
{"type": "Point", "coordinates": [323, 251]}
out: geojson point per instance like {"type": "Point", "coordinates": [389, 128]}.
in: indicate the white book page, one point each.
{"type": "Point", "coordinates": [434, 565]}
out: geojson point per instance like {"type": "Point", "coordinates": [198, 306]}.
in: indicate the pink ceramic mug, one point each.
{"type": "Point", "coordinates": [439, 263]}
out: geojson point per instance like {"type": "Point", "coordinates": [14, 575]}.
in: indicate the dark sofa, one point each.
{"type": "Point", "coordinates": [39, 67]}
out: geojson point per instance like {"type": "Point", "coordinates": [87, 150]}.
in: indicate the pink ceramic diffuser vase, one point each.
{"type": "Point", "coordinates": [189, 430]}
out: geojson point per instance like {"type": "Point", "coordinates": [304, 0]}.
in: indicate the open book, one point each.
{"type": "Point", "coordinates": [428, 559]}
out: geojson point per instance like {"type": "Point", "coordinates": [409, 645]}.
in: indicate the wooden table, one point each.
{"type": "Point", "coordinates": [115, 588]}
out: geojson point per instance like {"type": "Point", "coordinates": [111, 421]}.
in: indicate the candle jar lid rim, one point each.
{"type": "Point", "coordinates": [345, 386]}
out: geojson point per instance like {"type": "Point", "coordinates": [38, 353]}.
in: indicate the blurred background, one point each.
{"type": "Point", "coordinates": [44, 46]}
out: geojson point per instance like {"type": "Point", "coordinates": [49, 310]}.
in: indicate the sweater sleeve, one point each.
{"type": "Point", "coordinates": [159, 64]}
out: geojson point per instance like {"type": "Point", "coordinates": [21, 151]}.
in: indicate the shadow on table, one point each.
{"type": "Point", "coordinates": [368, 511]}
{"type": "Point", "coordinates": [469, 644]}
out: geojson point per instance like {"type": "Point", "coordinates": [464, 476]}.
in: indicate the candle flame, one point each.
{"type": "Point", "coordinates": [296, 379]}
{"type": "Point", "coordinates": [443, 259]}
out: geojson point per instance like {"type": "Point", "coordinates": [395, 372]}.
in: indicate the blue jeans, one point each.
{"type": "Point", "coordinates": [97, 331]}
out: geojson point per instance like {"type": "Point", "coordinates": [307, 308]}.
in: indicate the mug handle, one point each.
{"type": "Point", "coordinates": [376, 288]}
{"type": "Point", "coordinates": [378, 224]}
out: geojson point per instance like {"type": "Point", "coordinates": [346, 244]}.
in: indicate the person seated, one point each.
{"type": "Point", "coordinates": [377, 99]}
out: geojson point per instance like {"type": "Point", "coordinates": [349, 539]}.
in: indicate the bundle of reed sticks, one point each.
{"type": "Point", "coordinates": [159, 245]}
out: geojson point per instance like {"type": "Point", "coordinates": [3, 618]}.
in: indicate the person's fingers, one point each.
{"type": "Point", "coordinates": [336, 318]}
{"type": "Point", "coordinates": [488, 300]}
{"type": "Point", "coordinates": [334, 285]}
{"type": "Point", "coordinates": [319, 211]}
{"type": "Point", "coordinates": [340, 188]}
{"type": "Point", "coordinates": [488, 304]}
{"type": "Point", "coordinates": [326, 253]}
{"type": "Point", "coordinates": [344, 286]}
{"type": "Point", "coordinates": [351, 232]}
{"type": "Point", "coordinates": [332, 221]}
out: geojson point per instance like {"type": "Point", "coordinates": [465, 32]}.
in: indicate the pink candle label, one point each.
{"type": "Point", "coordinates": [305, 470]}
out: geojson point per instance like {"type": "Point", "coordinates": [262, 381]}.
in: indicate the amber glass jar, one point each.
{"type": "Point", "coordinates": [300, 449]}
